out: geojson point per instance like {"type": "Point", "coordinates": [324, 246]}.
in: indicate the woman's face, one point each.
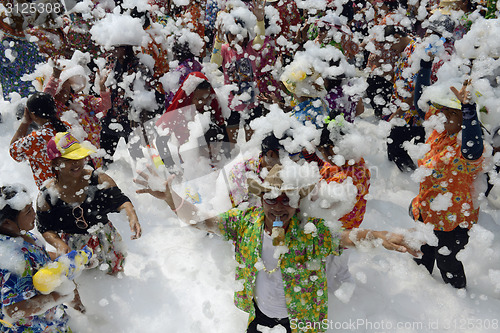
{"type": "Point", "coordinates": [454, 118]}
{"type": "Point", "coordinates": [234, 39]}
{"type": "Point", "coordinates": [70, 168]}
{"type": "Point", "coordinates": [200, 98]}
{"type": "Point", "coordinates": [26, 218]}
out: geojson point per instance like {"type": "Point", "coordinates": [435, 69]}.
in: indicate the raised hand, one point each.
{"type": "Point", "coordinates": [258, 9]}
{"type": "Point", "coordinates": [463, 95]}
{"type": "Point", "coordinates": [154, 184]}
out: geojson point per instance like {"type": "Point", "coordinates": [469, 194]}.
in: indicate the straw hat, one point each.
{"type": "Point", "coordinates": [447, 6]}
{"type": "Point", "coordinates": [273, 182]}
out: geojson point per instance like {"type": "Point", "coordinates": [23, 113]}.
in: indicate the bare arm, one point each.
{"type": "Point", "coordinates": [53, 239]}
{"type": "Point", "coordinates": [391, 241]}
{"type": "Point", "coordinates": [135, 226]}
{"type": "Point", "coordinates": [36, 305]}
{"type": "Point", "coordinates": [133, 221]}
{"type": "Point", "coordinates": [186, 211]}
{"type": "Point", "coordinates": [22, 130]}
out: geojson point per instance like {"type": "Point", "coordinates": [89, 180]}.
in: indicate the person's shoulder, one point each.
{"type": "Point", "coordinates": [248, 213]}
{"type": "Point", "coordinates": [45, 130]}
{"type": "Point", "coordinates": [103, 179]}
{"type": "Point", "coordinates": [48, 195]}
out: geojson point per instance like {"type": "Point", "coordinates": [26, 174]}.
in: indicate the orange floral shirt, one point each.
{"type": "Point", "coordinates": [451, 185]}
{"type": "Point", "coordinates": [33, 148]}
{"type": "Point", "coordinates": [360, 178]}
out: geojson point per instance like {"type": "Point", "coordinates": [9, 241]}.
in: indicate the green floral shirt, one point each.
{"type": "Point", "coordinates": [302, 268]}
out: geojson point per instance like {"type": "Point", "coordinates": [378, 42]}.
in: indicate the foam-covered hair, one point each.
{"type": "Point", "coordinates": [13, 199]}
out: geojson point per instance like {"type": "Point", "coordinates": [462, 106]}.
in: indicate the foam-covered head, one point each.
{"type": "Point", "coordinates": [239, 22]}
{"type": "Point", "coordinates": [13, 199]}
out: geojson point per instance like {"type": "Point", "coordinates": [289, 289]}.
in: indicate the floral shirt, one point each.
{"type": "Point", "coordinates": [361, 179]}
{"type": "Point", "coordinates": [341, 103]}
{"type": "Point", "coordinates": [236, 179]}
{"type": "Point", "coordinates": [16, 282]}
{"type": "Point", "coordinates": [22, 59]}
{"type": "Point", "coordinates": [314, 110]}
{"type": "Point", "coordinates": [302, 267]}
{"type": "Point", "coordinates": [450, 183]}
{"type": "Point", "coordinates": [33, 148]}
{"type": "Point", "coordinates": [89, 109]}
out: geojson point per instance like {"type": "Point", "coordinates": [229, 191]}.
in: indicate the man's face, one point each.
{"type": "Point", "coordinates": [453, 123]}
{"type": "Point", "coordinates": [277, 208]}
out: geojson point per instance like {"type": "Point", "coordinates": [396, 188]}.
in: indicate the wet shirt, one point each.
{"type": "Point", "coordinates": [16, 284]}
{"type": "Point", "coordinates": [360, 178]}
{"type": "Point", "coordinates": [236, 179]}
{"type": "Point", "coordinates": [33, 148]}
{"type": "Point", "coordinates": [449, 184]}
{"type": "Point", "coordinates": [313, 110]}
{"type": "Point", "coordinates": [302, 267]}
{"type": "Point", "coordinates": [62, 216]}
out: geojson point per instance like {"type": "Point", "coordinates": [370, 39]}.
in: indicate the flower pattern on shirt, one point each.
{"type": "Point", "coordinates": [302, 267]}
{"type": "Point", "coordinates": [17, 287]}
{"type": "Point", "coordinates": [360, 175]}
{"type": "Point", "coordinates": [451, 173]}
{"type": "Point", "coordinates": [33, 148]}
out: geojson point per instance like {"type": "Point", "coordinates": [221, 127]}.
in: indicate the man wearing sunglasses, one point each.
{"type": "Point", "coordinates": [282, 285]}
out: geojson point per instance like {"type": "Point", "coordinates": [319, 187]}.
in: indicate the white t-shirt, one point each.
{"type": "Point", "coordinates": [269, 291]}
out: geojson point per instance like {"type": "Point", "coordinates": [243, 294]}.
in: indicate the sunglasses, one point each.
{"type": "Point", "coordinates": [283, 199]}
{"type": "Point", "coordinates": [79, 220]}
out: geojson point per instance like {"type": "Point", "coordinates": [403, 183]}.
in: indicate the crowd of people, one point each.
{"type": "Point", "coordinates": [190, 86]}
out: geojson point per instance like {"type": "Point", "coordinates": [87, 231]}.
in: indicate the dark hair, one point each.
{"type": "Point", "coordinates": [441, 24]}
{"type": "Point", "coordinates": [325, 140]}
{"type": "Point", "coordinates": [182, 51]}
{"type": "Point", "coordinates": [270, 143]}
{"type": "Point", "coordinates": [135, 13]}
{"type": "Point", "coordinates": [43, 105]}
{"type": "Point", "coordinates": [7, 193]}
{"type": "Point", "coordinates": [391, 30]}
{"type": "Point", "coordinates": [393, 5]}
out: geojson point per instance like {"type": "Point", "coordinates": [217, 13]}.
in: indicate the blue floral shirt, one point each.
{"type": "Point", "coordinates": [19, 261]}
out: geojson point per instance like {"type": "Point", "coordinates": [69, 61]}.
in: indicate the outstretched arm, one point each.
{"type": "Point", "coordinates": [36, 305]}
{"type": "Point", "coordinates": [185, 210]}
{"type": "Point", "coordinates": [389, 240]}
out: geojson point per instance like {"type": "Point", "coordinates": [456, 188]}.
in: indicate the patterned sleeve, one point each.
{"type": "Point", "coordinates": [229, 224]}
{"type": "Point", "coordinates": [22, 148]}
{"type": "Point", "coordinates": [328, 239]}
{"type": "Point", "coordinates": [16, 288]}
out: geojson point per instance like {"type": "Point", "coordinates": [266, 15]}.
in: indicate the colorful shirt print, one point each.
{"type": "Point", "coordinates": [340, 103]}
{"type": "Point", "coordinates": [451, 173]}
{"type": "Point", "coordinates": [302, 267]}
{"type": "Point", "coordinates": [360, 178]}
{"type": "Point", "coordinates": [17, 286]}
{"type": "Point", "coordinates": [90, 110]}
{"type": "Point", "coordinates": [17, 58]}
{"type": "Point", "coordinates": [33, 148]}
{"type": "Point", "coordinates": [237, 181]}
{"type": "Point", "coordinates": [314, 110]}
{"type": "Point", "coordinates": [105, 242]}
